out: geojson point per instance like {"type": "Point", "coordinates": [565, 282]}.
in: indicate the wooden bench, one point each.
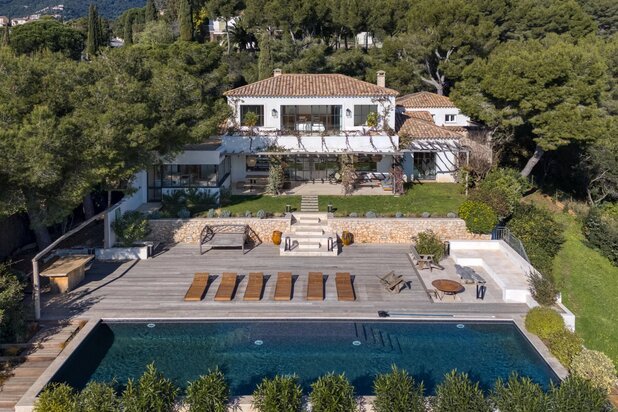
{"type": "Point", "coordinates": [66, 272]}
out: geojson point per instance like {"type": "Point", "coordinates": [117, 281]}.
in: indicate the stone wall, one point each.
{"type": "Point", "coordinates": [401, 230]}
{"type": "Point", "coordinates": [378, 230]}
{"type": "Point", "coordinates": [188, 230]}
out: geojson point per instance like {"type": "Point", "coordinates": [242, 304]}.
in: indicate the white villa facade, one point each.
{"type": "Point", "coordinates": [312, 120]}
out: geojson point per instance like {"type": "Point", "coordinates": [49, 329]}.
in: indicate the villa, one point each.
{"type": "Point", "coordinates": [314, 122]}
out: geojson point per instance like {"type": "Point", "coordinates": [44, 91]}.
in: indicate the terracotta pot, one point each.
{"type": "Point", "coordinates": [347, 238]}
{"type": "Point", "coordinates": [277, 237]}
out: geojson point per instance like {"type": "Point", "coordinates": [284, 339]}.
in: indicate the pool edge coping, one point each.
{"type": "Point", "coordinates": [26, 402]}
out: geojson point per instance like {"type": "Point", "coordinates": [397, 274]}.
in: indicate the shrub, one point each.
{"type": "Point", "coordinates": [396, 391]}
{"type": "Point", "coordinates": [479, 217]}
{"type": "Point", "coordinates": [261, 214]}
{"type": "Point", "coordinates": [192, 199]}
{"type": "Point", "coordinates": [601, 230]}
{"type": "Point", "coordinates": [543, 322]}
{"type": "Point", "coordinates": [398, 215]}
{"type": "Point", "coordinates": [184, 213]}
{"type": "Point", "coordinates": [542, 288]}
{"type": "Point", "coordinates": [540, 234]}
{"type": "Point", "coordinates": [98, 397]}
{"type": "Point", "coordinates": [564, 345]}
{"type": "Point", "coordinates": [280, 394]}
{"type": "Point", "coordinates": [153, 393]}
{"type": "Point", "coordinates": [57, 397]}
{"type": "Point", "coordinates": [332, 393]}
{"type": "Point", "coordinates": [353, 214]}
{"type": "Point", "coordinates": [131, 227]}
{"type": "Point", "coordinates": [247, 213]}
{"type": "Point", "coordinates": [576, 394]}
{"type": "Point", "coordinates": [458, 393]}
{"type": "Point", "coordinates": [425, 215]}
{"type": "Point", "coordinates": [211, 213]}
{"type": "Point", "coordinates": [371, 215]}
{"type": "Point", "coordinates": [518, 394]}
{"type": "Point", "coordinates": [596, 367]}
{"type": "Point", "coordinates": [225, 213]}
{"type": "Point", "coordinates": [501, 190]}
{"type": "Point", "coordinates": [208, 393]}
{"type": "Point", "coordinates": [429, 243]}
{"type": "Point", "coordinates": [12, 314]}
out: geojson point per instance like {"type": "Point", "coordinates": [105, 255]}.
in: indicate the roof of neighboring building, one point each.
{"type": "Point", "coordinates": [424, 100]}
{"type": "Point", "coordinates": [411, 125]}
{"type": "Point", "coordinates": [323, 85]}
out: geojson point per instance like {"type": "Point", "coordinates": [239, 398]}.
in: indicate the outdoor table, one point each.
{"type": "Point", "coordinates": [447, 286]}
{"type": "Point", "coordinates": [67, 271]}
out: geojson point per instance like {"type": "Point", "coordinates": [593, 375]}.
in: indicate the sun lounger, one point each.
{"type": "Point", "coordinates": [422, 261]}
{"type": "Point", "coordinates": [345, 290]}
{"type": "Point", "coordinates": [392, 282]}
{"type": "Point", "coordinates": [315, 286]}
{"type": "Point", "coordinates": [197, 290]}
{"type": "Point", "coordinates": [254, 286]}
{"type": "Point", "coordinates": [283, 288]}
{"type": "Point", "coordinates": [227, 287]}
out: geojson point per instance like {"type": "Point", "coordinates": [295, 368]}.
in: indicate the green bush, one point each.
{"type": "Point", "coordinates": [596, 367]}
{"type": "Point", "coordinates": [193, 200]}
{"type": "Point", "coordinates": [98, 397]}
{"type": "Point", "coordinates": [279, 394]}
{"type": "Point", "coordinates": [543, 322]}
{"type": "Point", "coordinates": [131, 227]}
{"type": "Point", "coordinates": [502, 190]}
{"type": "Point", "coordinates": [208, 393]}
{"type": "Point", "coordinates": [458, 393]}
{"type": "Point", "coordinates": [57, 397]}
{"type": "Point", "coordinates": [577, 395]}
{"type": "Point", "coordinates": [429, 243]}
{"type": "Point", "coordinates": [153, 393]}
{"type": "Point", "coordinates": [12, 318]}
{"type": "Point", "coordinates": [565, 345]}
{"type": "Point", "coordinates": [479, 217]}
{"type": "Point", "coordinates": [396, 391]}
{"type": "Point", "coordinates": [332, 393]}
{"type": "Point", "coordinates": [541, 235]}
{"type": "Point", "coordinates": [542, 288]}
{"type": "Point", "coordinates": [518, 394]}
{"type": "Point", "coordinates": [601, 230]}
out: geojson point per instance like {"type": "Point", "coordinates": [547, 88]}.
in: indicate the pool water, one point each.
{"type": "Point", "coordinates": [248, 351]}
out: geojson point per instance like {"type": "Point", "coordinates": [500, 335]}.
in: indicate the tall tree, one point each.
{"type": "Point", "coordinates": [225, 9]}
{"type": "Point", "coordinates": [93, 41]}
{"type": "Point", "coordinates": [265, 59]}
{"type": "Point", "coordinates": [185, 16]}
{"type": "Point", "coordinates": [47, 35]}
{"type": "Point", "coordinates": [6, 36]}
{"type": "Point", "coordinates": [151, 11]}
{"type": "Point", "coordinates": [544, 93]}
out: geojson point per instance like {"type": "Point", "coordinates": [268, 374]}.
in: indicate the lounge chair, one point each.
{"type": "Point", "coordinates": [283, 288]}
{"type": "Point", "coordinates": [227, 287]}
{"type": "Point", "coordinates": [345, 290]}
{"type": "Point", "coordinates": [464, 274]}
{"type": "Point", "coordinates": [197, 290]}
{"type": "Point", "coordinates": [422, 261]}
{"type": "Point", "coordinates": [254, 286]}
{"type": "Point", "coordinates": [315, 286]}
{"type": "Point", "coordinates": [392, 282]}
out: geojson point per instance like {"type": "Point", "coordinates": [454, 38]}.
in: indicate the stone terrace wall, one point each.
{"type": "Point", "coordinates": [401, 230]}
{"type": "Point", "coordinates": [188, 230]}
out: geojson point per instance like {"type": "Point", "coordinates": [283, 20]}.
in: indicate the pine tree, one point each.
{"type": "Point", "coordinates": [92, 45]}
{"type": "Point", "coordinates": [186, 21]}
{"type": "Point", "coordinates": [151, 11]}
{"type": "Point", "coordinates": [6, 39]}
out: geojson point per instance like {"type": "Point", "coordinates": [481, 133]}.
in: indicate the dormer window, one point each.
{"type": "Point", "coordinates": [450, 118]}
{"type": "Point", "coordinates": [257, 110]}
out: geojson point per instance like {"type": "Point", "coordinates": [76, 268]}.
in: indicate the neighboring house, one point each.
{"type": "Point", "coordinates": [432, 129]}
{"type": "Point", "coordinates": [19, 21]}
{"type": "Point", "coordinates": [217, 27]}
{"type": "Point", "coordinates": [312, 120]}
{"type": "Point", "coordinates": [4, 21]}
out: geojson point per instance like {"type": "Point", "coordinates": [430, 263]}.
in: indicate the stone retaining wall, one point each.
{"type": "Point", "coordinates": [378, 230]}
{"type": "Point", "coordinates": [401, 230]}
{"type": "Point", "coordinates": [188, 230]}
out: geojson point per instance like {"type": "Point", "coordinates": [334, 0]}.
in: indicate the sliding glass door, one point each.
{"type": "Point", "coordinates": [311, 119]}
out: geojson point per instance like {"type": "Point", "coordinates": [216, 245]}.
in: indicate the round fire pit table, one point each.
{"type": "Point", "coordinates": [447, 287]}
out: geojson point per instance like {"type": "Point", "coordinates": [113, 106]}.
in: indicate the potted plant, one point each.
{"type": "Point", "coordinates": [277, 237]}
{"type": "Point", "coordinates": [347, 238]}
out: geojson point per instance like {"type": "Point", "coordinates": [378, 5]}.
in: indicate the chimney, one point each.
{"type": "Point", "coordinates": [381, 78]}
{"type": "Point", "coordinates": [277, 72]}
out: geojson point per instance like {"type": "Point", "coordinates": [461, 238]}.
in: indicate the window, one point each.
{"type": "Point", "coordinates": [257, 109]}
{"type": "Point", "coordinates": [311, 119]}
{"type": "Point", "coordinates": [257, 164]}
{"type": "Point", "coordinates": [450, 118]}
{"type": "Point", "coordinates": [361, 111]}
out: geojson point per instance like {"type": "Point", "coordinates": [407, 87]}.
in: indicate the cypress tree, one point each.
{"type": "Point", "coordinates": [265, 61]}
{"type": "Point", "coordinates": [92, 45]}
{"type": "Point", "coordinates": [186, 21]}
{"type": "Point", "coordinates": [128, 30]}
{"type": "Point", "coordinates": [151, 11]}
{"type": "Point", "coordinates": [103, 37]}
{"type": "Point", "coordinates": [6, 39]}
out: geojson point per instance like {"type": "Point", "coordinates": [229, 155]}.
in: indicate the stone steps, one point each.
{"type": "Point", "coordinates": [309, 203]}
{"type": "Point", "coordinates": [309, 236]}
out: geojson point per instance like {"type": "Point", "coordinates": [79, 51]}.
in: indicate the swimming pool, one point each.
{"type": "Point", "coordinates": [247, 351]}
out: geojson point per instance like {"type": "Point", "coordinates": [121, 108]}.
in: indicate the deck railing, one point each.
{"type": "Point", "coordinates": [503, 233]}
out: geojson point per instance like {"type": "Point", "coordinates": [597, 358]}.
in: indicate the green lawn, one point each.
{"type": "Point", "coordinates": [273, 204]}
{"type": "Point", "coordinates": [589, 285]}
{"type": "Point", "coordinates": [435, 198]}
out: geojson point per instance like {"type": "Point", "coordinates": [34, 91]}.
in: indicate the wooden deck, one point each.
{"type": "Point", "coordinates": [155, 288]}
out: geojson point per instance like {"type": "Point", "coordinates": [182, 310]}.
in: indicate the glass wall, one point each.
{"type": "Point", "coordinates": [424, 165]}
{"type": "Point", "coordinates": [311, 119]}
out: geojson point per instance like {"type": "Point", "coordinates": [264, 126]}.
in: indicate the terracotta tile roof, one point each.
{"type": "Point", "coordinates": [297, 85]}
{"type": "Point", "coordinates": [424, 100]}
{"type": "Point", "coordinates": [423, 115]}
{"type": "Point", "coordinates": [410, 125]}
